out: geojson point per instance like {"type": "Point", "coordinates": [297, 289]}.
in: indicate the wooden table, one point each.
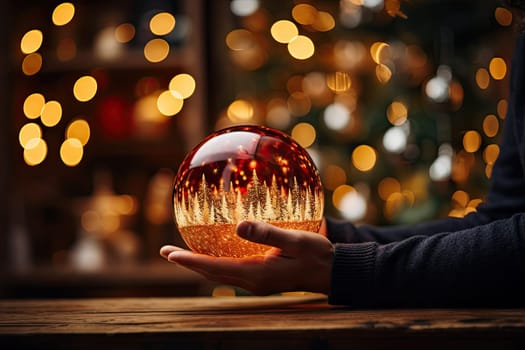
{"type": "Point", "coordinates": [275, 322]}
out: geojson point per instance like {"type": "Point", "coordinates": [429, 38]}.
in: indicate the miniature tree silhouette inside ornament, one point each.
{"type": "Point", "coordinates": [245, 173]}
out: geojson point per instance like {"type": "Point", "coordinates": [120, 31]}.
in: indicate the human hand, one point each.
{"type": "Point", "coordinates": [297, 261]}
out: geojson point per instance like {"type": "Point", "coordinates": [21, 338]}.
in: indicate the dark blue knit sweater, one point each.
{"type": "Point", "coordinates": [478, 260]}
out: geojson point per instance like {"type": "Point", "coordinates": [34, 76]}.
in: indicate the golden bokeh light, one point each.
{"type": "Point", "coordinates": [32, 64]}
{"type": "Point", "coordinates": [314, 84]}
{"type": "Point", "coordinates": [491, 153]}
{"type": "Point", "coordinates": [301, 47]}
{"type": "Point", "coordinates": [378, 51]}
{"type": "Point", "coordinates": [31, 41]}
{"type": "Point", "coordinates": [295, 84]}
{"type": "Point", "coordinates": [387, 186]}
{"type": "Point", "coordinates": [146, 111]}
{"type": "Point", "coordinates": [471, 141]}
{"type": "Point", "coordinates": [28, 132]}
{"type": "Point", "coordinates": [456, 213]}
{"type": "Point", "coordinates": [482, 78]}
{"type": "Point", "coordinates": [169, 103]}
{"type": "Point", "coordinates": [393, 8]}
{"type": "Point", "coordinates": [79, 129]}
{"type": "Point", "coordinates": [162, 23]}
{"type": "Point", "coordinates": [383, 73]}
{"type": "Point", "coordinates": [240, 110]}
{"type": "Point", "coordinates": [364, 158]}
{"type": "Point", "coordinates": [156, 50]}
{"type": "Point", "coordinates": [125, 32]}
{"type": "Point", "coordinates": [284, 31]}
{"type": "Point", "coordinates": [491, 125]}
{"type": "Point", "coordinates": [304, 14]}
{"type": "Point", "coordinates": [461, 166]}
{"type": "Point", "coordinates": [63, 14]}
{"type": "Point", "coordinates": [90, 220]}
{"type": "Point", "coordinates": [51, 113]}
{"type": "Point", "coordinates": [333, 177]}
{"type": "Point", "coordinates": [338, 82]}
{"type": "Point", "coordinates": [125, 205]}
{"type": "Point", "coordinates": [488, 170]}
{"type": "Point", "coordinates": [503, 16]}
{"type": "Point", "coordinates": [239, 39]}
{"type": "Point", "coordinates": [410, 197]}
{"type": "Point", "coordinates": [250, 59]}
{"type": "Point", "coordinates": [349, 55]}
{"type": "Point", "coordinates": [456, 94]}
{"type": "Point", "coordinates": [71, 152]}
{"type": "Point", "coordinates": [85, 88]}
{"type": "Point", "coordinates": [278, 115]}
{"type": "Point", "coordinates": [393, 204]}
{"type": "Point", "coordinates": [33, 105]}
{"type": "Point", "coordinates": [397, 113]}
{"type": "Point", "coordinates": [498, 68]}
{"type": "Point", "coordinates": [502, 108]}
{"type": "Point", "coordinates": [339, 194]}
{"type": "Point", "coordinates": [35, 151]}
{"type": "Point", "coordinates": [460, 198]}
{"type": "Point", "coordinates": [324, 22]}
{"type": "Point", "coordinates": [473, 203]}
{"type": "Point", "coordinates": [304, 134]}
{"type": "Point", "coordinates": [182, 84]}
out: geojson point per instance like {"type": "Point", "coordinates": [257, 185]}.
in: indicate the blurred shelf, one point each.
{"type": "Point", "coordinates": [123, 280]}
{"type": "Point", "coordinates": [131, 147]}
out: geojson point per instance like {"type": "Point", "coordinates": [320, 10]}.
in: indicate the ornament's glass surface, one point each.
{"type": "Point", "coordinates": [245, 173]}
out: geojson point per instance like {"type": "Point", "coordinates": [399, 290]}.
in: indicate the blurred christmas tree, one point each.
{"type": "Point", "coordinates": [400, 104]}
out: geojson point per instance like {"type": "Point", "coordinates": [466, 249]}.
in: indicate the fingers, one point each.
{"type": "Point", "coordinates": [211, 264]}
{"type": "Point", "coordinates": [247, 273]}
{"type": "Point", "coordinates": [167, 249]}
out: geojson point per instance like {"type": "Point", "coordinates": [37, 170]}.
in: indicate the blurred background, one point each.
{"type": "Point", "coordinates": [400, 104]}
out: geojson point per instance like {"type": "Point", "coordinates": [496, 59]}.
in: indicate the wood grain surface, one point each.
{"type": "Point", "coordinates": [290, 322]}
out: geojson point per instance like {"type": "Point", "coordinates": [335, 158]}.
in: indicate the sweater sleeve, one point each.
{"type": "Point", "coordinates": [480, 266]}
{"type": "Point", "coordinates": [478, 260]}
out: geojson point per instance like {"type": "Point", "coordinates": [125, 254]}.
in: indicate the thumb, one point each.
{"type": "Point", "coordinates": [264, 233]}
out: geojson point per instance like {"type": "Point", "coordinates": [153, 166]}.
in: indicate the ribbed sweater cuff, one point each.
{"type": "Point", "coordinates": [353, 274]}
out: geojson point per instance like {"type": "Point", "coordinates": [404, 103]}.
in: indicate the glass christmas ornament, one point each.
{"type": "Point", "coordinates": [245, 173]}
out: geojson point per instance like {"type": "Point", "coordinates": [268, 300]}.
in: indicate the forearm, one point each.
{"type": "Point", "coordinates": [347, 232]}
{"type": "Point", "coordinates": [480, 266]}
